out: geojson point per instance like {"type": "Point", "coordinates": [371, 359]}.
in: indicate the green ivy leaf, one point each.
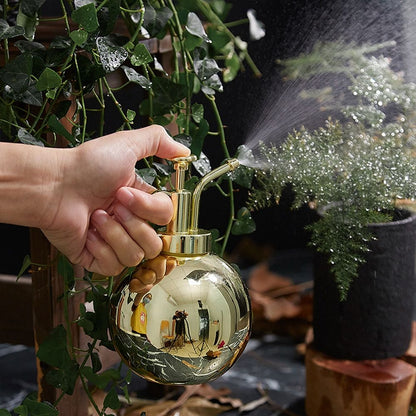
{"type": "Point", "coordinates": [243, 176]}
{"type": "Point", "coordinates": [197, 112]}
{"type": "Point", "coordinates": [85, 323]}
{"type": "Point", "coordinates": [21, 410]}
{"type": "Point", "coordinates": [79, 37]}
{"type": "Point", "coordinates": [61, 108]}
{"type": "Point", "coordinates": [53, 350]}
{"type": "Point", "coordinates": [131, 115]}
{"type": "Point", "coordinates": [219, 39]}
{"type": "Point", "coordinates": [167, 92]}
{"type": "Point", "coordinates": [5, 117]}
{"type": "Point", "coordinates": [194, 27]}
{"type": "Point", "coordinates": [64, 379]}
{"type": "Point", "coordinates": [34, 48]}
{"type": "Point", "coordinates": [28, 23]}
{"type": "Point", "coordinates": [216, 246]}
{"type": "Point", "coordinates": [108, 15]}
{"type": "Point", "coordinates": [31, 95]}
{"type": "Point", "coordinates": [244, 224]}
{"type": "Point", "coordinates": [191, 183]}
{"type": "Point", "coordinates": [181, 120]}
{"type": "Point", "coordinates": [232, 66]}
{"type": "Point", "coordinates": [58, 51]}
{"type": "Point", "coordinates": [26, 138]}
{"type": "Point", "coordinates": [27, 262]}
{"type": "Point", "coordinates": [111, 55]}
{"type": "Point", "coordinates": [4, 412]}
{"type": "Point", "coordinates": [221, 8]}
{"type": "Point", "coordinates": [212, 84]}
{"type": "Point", "coordinates": [86, 17]}
{"type": "Point", "coordinates": [7, 32]}
{"type": "Point", "coordinates": [198, 137]}
{"type": "Point", "coordinates": [133, 76]}
{"type": "Point", "coordinates": [155, 20]}
{"type": "Point", "coordinates": [141, 55]}
{"type": "Point", "coordinates": [56, 126]}
{"type": "Point", "coordinates": [99, 317]}
{"type": "Point", "coordinates": [96, 362]}
{"type": "Point", "coordinates": [111, 400]}
{"type": "Point", "coordinates": [147, 174]}
{"type": "Point", "coordinates": [17, 73]}
{"type": "Point", "coordinates": [162, 120]}
{"type": "Point", "coordinates": [192, 42]}
{"type": "Point", "coordinates": [164, 170]}
{"type": "Point", "coordinates": [90, 72]}
{"type": "Point", "coordinates": [36, 408]}
{"type": "Point", "coordinates": [205, 68]}
{"type": "Point", "coordinates": [184, 139]}
{"type": "Point", "coordinates": [66, 270]}
{"type": "Point", "coordinates": [31, 7]}
{"type": "Point", "coordinates": [101, 380]}
{"type": "Point", "coordinates": [51, 93]}
{"type": "Point", "coordinates": [48, 79]}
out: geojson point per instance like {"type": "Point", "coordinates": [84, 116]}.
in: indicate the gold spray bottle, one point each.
{"type": "Point", "coordinates": [190, 327]}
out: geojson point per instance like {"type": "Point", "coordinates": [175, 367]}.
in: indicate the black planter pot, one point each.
{"type": "Point", "coordinates": [376, 319]}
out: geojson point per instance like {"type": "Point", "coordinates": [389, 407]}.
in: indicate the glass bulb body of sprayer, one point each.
{"type": "Point", "coordinates": [192, 325]}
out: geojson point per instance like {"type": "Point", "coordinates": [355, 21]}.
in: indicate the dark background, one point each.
{"type": "Point", "coordinates": [292, 27]}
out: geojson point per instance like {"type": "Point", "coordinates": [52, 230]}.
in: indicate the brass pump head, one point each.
{"type": "Point", "coordinates": [182, 236]}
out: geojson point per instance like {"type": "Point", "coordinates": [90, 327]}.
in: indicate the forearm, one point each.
{"type": "Point", "coordinates": [28, 183]}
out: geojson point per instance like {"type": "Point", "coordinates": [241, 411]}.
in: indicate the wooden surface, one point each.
{"type": "Point", "coordinates": [48, 312]}
{"type": "Point", "coordinates": [16, 325]}
{"type": "Point", "coordinates": [357, 388]}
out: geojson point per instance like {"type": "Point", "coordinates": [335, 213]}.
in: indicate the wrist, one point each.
{"type": "Point", "coordinates": [29, 184]}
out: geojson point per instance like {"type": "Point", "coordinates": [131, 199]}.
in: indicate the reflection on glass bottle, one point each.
{"type": "Point", "coordinates": [139, 316]}
{"type": "Point", "coordinates": [199, 320]}
{"type": "Point", "coordinates": [179, 318]}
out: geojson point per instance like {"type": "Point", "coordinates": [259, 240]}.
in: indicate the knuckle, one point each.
{"type": "Point", "coordinates": [165, 208]}
{"type": "Point", "coordinates": [116, 270]}
{"type": "Point", "coordinates": [158, 130]}
{"type": "Point", "coordinates": [135, 258]}
{"type": "Point", "coordinates": [154, 249]}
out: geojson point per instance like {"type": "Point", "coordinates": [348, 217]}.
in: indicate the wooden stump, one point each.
{"type": "Point", "coordinates": [357, 388]}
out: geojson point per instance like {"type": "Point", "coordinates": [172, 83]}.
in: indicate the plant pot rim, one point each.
{"type": "Point", "coordinates": [409, 218]}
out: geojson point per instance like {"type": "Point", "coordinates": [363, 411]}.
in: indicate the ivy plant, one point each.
{"type": "Point", "coordinates": [63, 92]}
{"type": "Point", "coordinates": [355, 170]}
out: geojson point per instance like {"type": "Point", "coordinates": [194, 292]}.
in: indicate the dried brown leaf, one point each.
{"type": "Point", "coordinates": [250, 406]}
{"type": "Point", "coordinates": [263, 280]}
{"type": "Point", "coordinates": [221, 394]}
{"type": "Point", "coordinates": [194, 406]}
{"type": "Point", "coordinates": [185, 404]}
{"type": "Point", "coordinates": [274, 309]}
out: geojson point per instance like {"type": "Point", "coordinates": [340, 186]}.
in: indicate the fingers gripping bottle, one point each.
{"type": "Point", "coordinates": [192, 326]}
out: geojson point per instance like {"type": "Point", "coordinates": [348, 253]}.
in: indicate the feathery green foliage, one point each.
{"type": "Point", "coordinates": [353, 170]}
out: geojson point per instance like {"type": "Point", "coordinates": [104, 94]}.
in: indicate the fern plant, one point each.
{"type": "Point", "coordinates": [354, 170]}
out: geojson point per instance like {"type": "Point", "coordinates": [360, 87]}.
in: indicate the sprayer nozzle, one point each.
{"type": "Point", "coordinates": [234, 164]}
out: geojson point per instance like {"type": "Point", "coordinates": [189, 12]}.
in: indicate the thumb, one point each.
{"type": "Point", "coordinates": [155, 141]}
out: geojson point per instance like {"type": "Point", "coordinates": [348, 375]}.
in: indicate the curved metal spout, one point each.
{"type": "Point", "coordinates": [228, 166]}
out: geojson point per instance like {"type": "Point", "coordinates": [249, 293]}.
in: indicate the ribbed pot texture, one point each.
{"type": "Point", "coordinates": [375, 321]}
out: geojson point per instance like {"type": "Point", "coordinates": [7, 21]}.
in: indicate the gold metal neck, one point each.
{"type": "Point", "coordinates": [182, 236]}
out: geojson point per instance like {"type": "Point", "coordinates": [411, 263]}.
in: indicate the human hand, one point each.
{"type": "Point", "coordinates": [100, 214]}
